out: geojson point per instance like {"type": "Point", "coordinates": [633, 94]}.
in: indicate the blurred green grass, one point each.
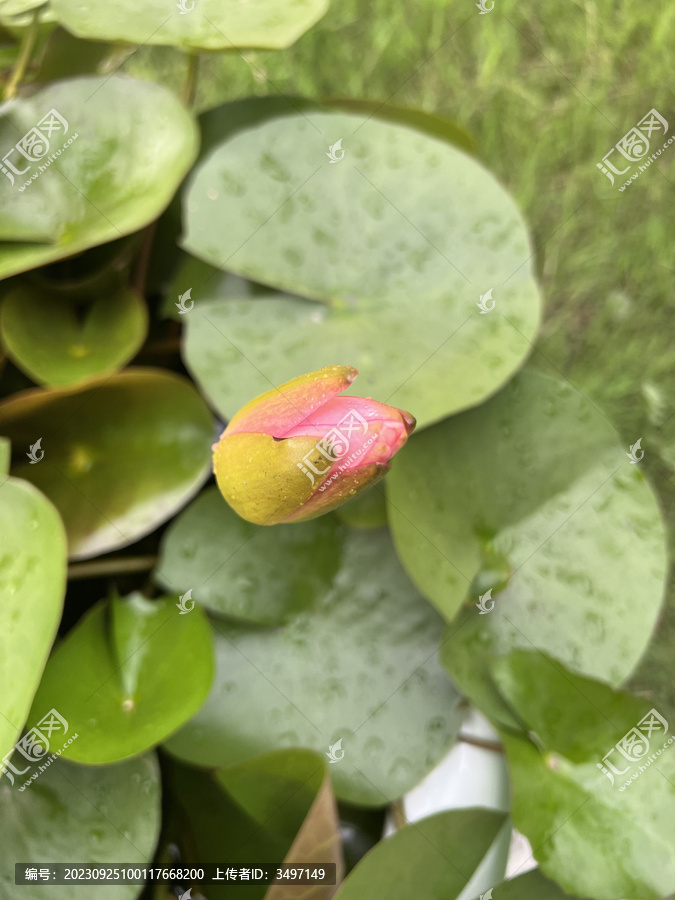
{"type": "Point", "coordinates": [546, 89]}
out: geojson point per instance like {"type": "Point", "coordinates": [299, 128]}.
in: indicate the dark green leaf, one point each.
{"type": "Point", "coordinates": [66, 56]}
{"type": "Point", "coordinates": [434, 859]}
{"type": "Point", "coordinates": [265, 810]}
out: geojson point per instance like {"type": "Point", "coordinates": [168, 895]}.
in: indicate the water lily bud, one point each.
{"type": "Point", "coordinates": [300, 450]}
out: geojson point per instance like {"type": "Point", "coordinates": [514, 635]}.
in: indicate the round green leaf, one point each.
{"type": "Point", "coordinates": [358, 667]}
{"type": "Point", "coordinates": [121, 148]}
{"type": "Point", "coordinates": [534, 491]}
{"type": "Point", "coordinates": [578, 820]}
{"type": "Point", "coordinates": [233, 567]}
{"type": "Point", "coordinates": [145, 429]}
{"type": "Point", "coordinates": [127, 677]}
{"type": "Point", "coordinates": [434, 858]}
{"type": "Point", "coordinates": [32, 587]}
{"type": "Point", "coordinates": [200, 24]}
{"type": "Point", "coordinates": [45, 337]}
{"type": "Point", "coordinates": [399, 239]}
{"type": "Point", "coordinates": [92, 816]}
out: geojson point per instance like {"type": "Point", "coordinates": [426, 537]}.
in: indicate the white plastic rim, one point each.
{"type": "Point", "coordinates": [473, 773]}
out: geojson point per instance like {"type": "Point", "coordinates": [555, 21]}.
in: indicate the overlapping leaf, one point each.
{"type": "Point", "coordinates": [533, 495]}
{"type": "Point", "coordinates": [401, 215]}
{"type": "Point", "coordinates": [432, 859]}
{"type": "Point", "coordinates": [146, 429]}
{"type": "Point", "coordinates": [358, 667]}
{"type": "Point", "coordinates": [273, 808]}
{"type": "Point", "coordinates": [581, 820]}
{"type": "Point", "coordinates": [102, 158]}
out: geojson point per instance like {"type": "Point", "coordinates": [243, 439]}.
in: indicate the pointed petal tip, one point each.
{"type": "Point", "coordinates": [410, 422]}
{"type": "Point", "coordinates": [382, 468]}
{"type": "Point", "coordinates": [350, 373]}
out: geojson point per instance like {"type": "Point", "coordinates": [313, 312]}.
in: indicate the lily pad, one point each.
{"type": "Point", "coordinates": [266, 810]}
{"type": "Point", "coordinates": [534, 489]}
{"type": "Point", "coordinates": [399, 238]}
{"type": "Point", "coordinates": [92, 816]}
{"type": "Point", "coordinates": [579, 819]}
{"type": "Point", "coordinates": [126, 676]}
{"type": "Point", "coordinates": [106, 155]}
{"type": "Point", "coordinates": [243, 571]}
{"type": "Point", "coordinates": [197, 24]}
{"type": "Point", "coordinates": [432, 859]}
{"type": "Point", "coordinates": [45, 337]}
{"type": "Point", "coordinates": [144, 428]}
{"type": "Point", "coordinates": [32, 588]}
{"type": "Point", "coordinates": [356, 672]}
